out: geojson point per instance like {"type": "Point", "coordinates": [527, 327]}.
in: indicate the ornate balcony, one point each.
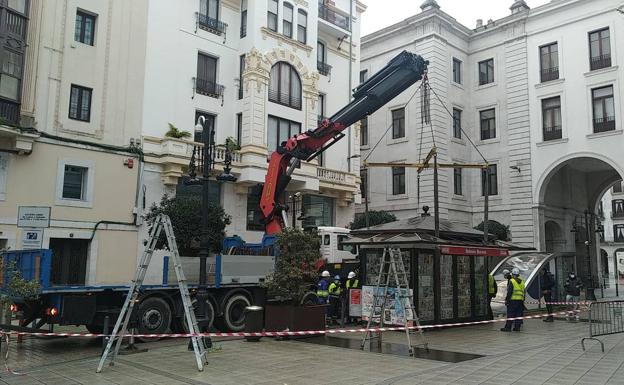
{"type": "Point", "coordinates": [334, 17]}
{"type": "Point", "coordinates": [604, 124]}
{"type": "Point", "coordinates": [549, 74]}
{"type": "Point", "coordinates": [323, 68]}
{"type": "Point", "coordinates": [598, 62]}
{"type": "Point", "coordinates": [552, 133]}
{"type": "Point", "coordinates": [209, 24]}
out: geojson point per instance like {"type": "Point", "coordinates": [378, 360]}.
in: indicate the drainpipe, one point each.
{"type": "Point", "coordinates": [350, 80]}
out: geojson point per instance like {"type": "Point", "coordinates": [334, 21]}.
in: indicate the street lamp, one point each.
{"type": "Point", "coordinates": [295, 199]}
{"type": "Point", "coordinates": [206, 157]}
{"type": "Point", "coordinates": [587, 221]}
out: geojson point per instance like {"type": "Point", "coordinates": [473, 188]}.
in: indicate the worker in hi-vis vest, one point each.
{"type": "Point", "coordinates": [492, 291]}
{"type": "Point", "coordinates": [514, 301]}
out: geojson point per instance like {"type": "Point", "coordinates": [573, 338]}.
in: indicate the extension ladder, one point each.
{"type": "Point", "coordinates": [120, 330]}
{"type": "Point", "coordinates": [392, 267]}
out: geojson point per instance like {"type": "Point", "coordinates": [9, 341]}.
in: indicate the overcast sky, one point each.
{"type": "Point", "coordinates": [382, 13]}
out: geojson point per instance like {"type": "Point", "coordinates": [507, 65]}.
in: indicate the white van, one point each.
{"type": "Point", "coordinates": [331, 244]}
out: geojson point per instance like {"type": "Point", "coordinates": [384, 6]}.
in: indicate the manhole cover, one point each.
{"type": "Point", "coordinates": [392, 348]}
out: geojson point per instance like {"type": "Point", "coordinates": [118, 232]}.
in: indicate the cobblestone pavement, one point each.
{"type": "Point", "coordinates": [543, 353]}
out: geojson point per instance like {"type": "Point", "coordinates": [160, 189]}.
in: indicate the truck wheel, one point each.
{"type": "Point", "coordinates": [209, 309]}
{"type": "Point", "coordinates": [234, 312]}
{"type": "Point", "coordinates": [154, 317]}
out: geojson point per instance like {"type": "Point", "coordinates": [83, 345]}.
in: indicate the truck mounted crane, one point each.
{"type": "Point", "coordinates": [398, 75]}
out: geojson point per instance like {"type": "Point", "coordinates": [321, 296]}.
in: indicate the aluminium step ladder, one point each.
{"type": "Point", "coordinates": [120, 330]}
{"type": "Point", "coordinates": [393, 268]}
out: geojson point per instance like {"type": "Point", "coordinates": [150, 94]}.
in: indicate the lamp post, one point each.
{"type": "Point", "coordinates": [587, 221]}
{"type": "Point", "coordinates": [207, 160]}
{"type": "Point", "coordinates": [297, 200]}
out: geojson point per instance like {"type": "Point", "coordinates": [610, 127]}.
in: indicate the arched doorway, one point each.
{"type": "Point", "coordinates": [553, 237]}
{"type": "Point", "coordinates": [569, 194]}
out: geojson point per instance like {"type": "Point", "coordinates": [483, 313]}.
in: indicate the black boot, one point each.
{"type": "Point", "coordinates": [505, 329]}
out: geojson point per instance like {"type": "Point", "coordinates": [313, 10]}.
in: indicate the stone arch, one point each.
{"type": "Point", "coordinates": [549, 172]}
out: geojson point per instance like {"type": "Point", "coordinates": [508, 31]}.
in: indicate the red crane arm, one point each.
{"type": "Point", "coordinates": [399, 74]}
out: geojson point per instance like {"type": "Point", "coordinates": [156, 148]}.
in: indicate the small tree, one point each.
{"type": "Point", "coordinates": [501, 231]}
{"type": "Point", "coordinates": [17, 287]}
{"type": "Point", "coordinates": [175, 132]}
{"type": "Point", "coordinates": [374, 218]}
{"type": "Point", "coordinates": [231, 144]}
{"type": "Point", "coordinates": [295, 268]}
{"type": "Point", "coordinates": [185, 213]}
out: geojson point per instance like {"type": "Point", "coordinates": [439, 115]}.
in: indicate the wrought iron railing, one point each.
{"type": "Point", "coordinates": [552, 133]}
{"type": "Point", "coordinates": [243, 31]}
{"type": "Point", "coordinates": [549, 74]}
{"type": "Point", "coordinates": [334, 17]}
{"type": "Point", "coordinates": [604, 124]}
{"type": "Point", "coordinates": [285, 98]}
{"type": "Point", "coordinates": [323, 68]}
{"type": "Point", "coordinates": [602, 61]}
{"type": "Point", "coordinates": [9, 112]}
{"type": "Point", "coordinates": [219, 155]}
{"type": "Point", "coordinates": [211, 25]}
{"type": "Point", "coordinates": [209, 88]}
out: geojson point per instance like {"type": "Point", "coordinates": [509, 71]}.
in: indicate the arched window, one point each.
{"type": "Point", "coordinates": [302, 27]}
{"type": "Point", "coordinates": [285, 85]}
{"type": "Point", "coordinates": [288, 20]}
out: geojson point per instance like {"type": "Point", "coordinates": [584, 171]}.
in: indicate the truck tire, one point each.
{"type": "Point", "coordinates": [154, 317]}
{"type": "Point", "coordinates": [181, 321]}
{"type": "Point", "coordinates": [234, 312]}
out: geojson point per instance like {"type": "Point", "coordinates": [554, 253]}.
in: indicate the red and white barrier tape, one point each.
{"type": "Point", "coordinates": [288, 333]}
{"type": "Point", "coordinates": [585, 303]}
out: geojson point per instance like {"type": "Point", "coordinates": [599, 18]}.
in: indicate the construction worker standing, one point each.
{"type": "Point", "coordinates": [352, 281]}
{"type": "Point", "coordinates": [335, 290]}
{"type": "Point", "coordinates": [514, 301]}
{"type": "Point", "coordinates": [322, 289]}
{"type": "Point", "coordinates": [492, 291]}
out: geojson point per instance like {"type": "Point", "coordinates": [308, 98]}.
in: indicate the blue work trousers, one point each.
{"type": "Point", "coordinates": [514, 309]}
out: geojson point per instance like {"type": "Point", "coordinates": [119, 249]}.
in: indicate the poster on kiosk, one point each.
{"type": "Point", "coordinates": [394, 312]}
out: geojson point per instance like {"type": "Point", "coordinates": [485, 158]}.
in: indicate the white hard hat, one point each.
{"type": "Point", "coordinates": [325, 274]}
{"type": "Point", "coordinates": [351, 275]}
{"type": "Point", "coordinates": [505, 272]}
{"type": "Point", "coordinates": [515, 271]}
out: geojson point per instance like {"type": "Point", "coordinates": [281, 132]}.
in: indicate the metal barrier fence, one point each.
{"type": "Point", "coordinates": [605, 318]}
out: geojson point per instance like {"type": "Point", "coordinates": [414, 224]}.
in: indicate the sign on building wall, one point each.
{"type": "Point", "coordinates": [33, 216]}
{"type": "Point", "coordinates": [32, 239]}
{"type": "Point", "coordinates": [394, 313]}
{"type": "Point", "coordinates": [355, 303]}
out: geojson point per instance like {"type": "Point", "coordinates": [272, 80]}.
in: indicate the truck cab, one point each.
{"type": "Point", "coordinates": [332, 247]}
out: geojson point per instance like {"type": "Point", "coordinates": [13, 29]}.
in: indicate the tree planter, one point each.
{"type": "Point", "coordinates": [280, 316]}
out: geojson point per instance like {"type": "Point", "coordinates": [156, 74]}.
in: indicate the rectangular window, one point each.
{"type": "Point", "coordinates": [617, 188]}
{"type": "Point", "coordinates": [363, 183]}
{"type": "Point", "coordinates": [486, 72]}
{"type": "Point", "coordinates": [210, 120]}
{"type": "Point", "coordinates": [457, 130]}
{"type": "Point", "coordinates": [457, 71]}
{"type": "Point", "coordinates": [549, 62]}
{"type": "Point", "coordinates": [17, 5]}
{"type": "Point", "coordinates": [321, 107]}
{"type": "Point", "coordinates": [398, 180]}
{"type": "Point", "coordinates": [206, 81]}
{"type": "Point", "coordinates": [618, 233]}
{"type": "Point", "coordinates": [85, 28]}
{"type": "Point", "coordinates": [288, 20]}
{"type": "Point", "coordinates": [11, 75]}
{"type": "Point", "coordinates": [80, 103]}
{"type": "Point", "coordinates": [363, 76]}
{"type": "Point", "coordinates": [272, 15]}
{"type": "Point", "coordinates": [617, 208]}
{"type": "Point", "coordinates": [457, 181]}
{"type": "Point", "coordinates": [280, 130]}
{"type": "Point", "coordinates": [243, 29]}
{"type": "Point", "coordinates": [599, 49]}
{"type": "Point", "coordinates": [398, 123]}
{"type": "Point", "coordinates": [75, 182]}
{"type": "Point", "coordinates": [604, 109]}
{"type": "Point", "coordinates": [302, 27]}
{"type": "Point", "coordinates": [239, 128]}
{"type": "Point", "coordinates": [319, 211]}
{"type": "Point", "coordinates": [364, 132]}
{"type": "Point", "coordinates": [493, 179]}
{"type": "Point", "coordinates": [209, 8]}
{"type": "Point", "coordinates": [551, 118]}
{"type": "Point", "coordinates": [254, 215]}
{"type": "Point", "coordinates": [488, 124]}
{"type": "Point", "coordinates": [241, 68]}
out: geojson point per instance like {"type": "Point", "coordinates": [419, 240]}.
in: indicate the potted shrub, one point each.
{"type": "Point", "coordinates": [291, 288]}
